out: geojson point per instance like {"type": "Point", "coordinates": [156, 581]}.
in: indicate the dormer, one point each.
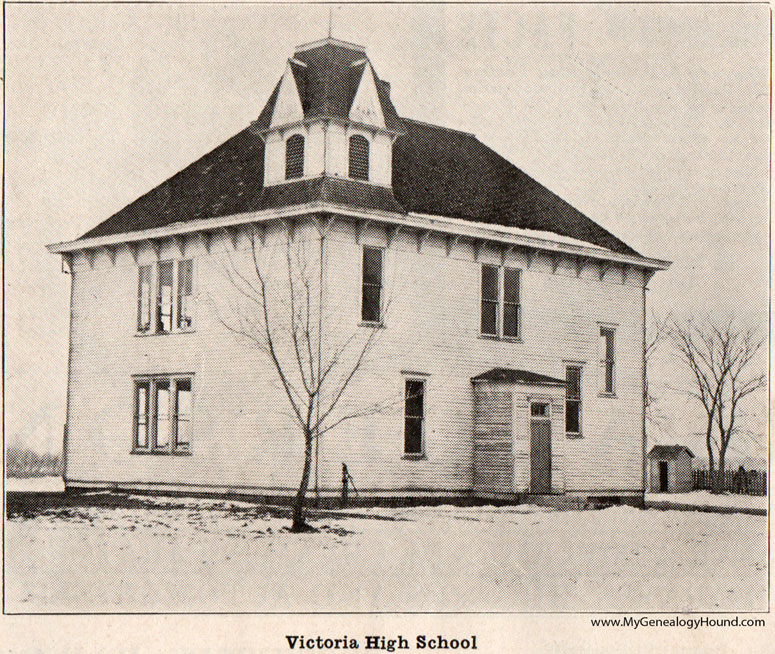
{"type": "Point", "coordinates": [329, 114]}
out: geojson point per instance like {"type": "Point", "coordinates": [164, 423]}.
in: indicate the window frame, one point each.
{"type": "Point", "coordinates": [362, 284]}
{"type": "Point", "coordinates": [155, 296]}
{"type": "Point", "coordinates": [605, 361]}
{"type": "Point", "coordinates": [296, 138]}
{"type": "Point", "coordinates": [153, 383]}
{"type": "Point", "coordinates": [575, 366]}
{"type": "Point", "coordinates": [422, 454]}
{"type": "Point", "coordinates": [147, 327]}
{"type": "Point", "coordinates": [358, 138]}
{"type": "Point", "coordinates": [500, 302]}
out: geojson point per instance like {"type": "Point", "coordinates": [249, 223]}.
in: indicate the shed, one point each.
{"type": "Point", "coordinates": [670, 469]}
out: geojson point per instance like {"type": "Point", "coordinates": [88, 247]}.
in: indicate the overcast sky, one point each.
{"type": "Point", "coordinates": [653, 120]}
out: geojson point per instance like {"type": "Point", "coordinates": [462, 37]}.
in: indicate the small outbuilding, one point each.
{"type": "Point", "coordinates": [670, 469]}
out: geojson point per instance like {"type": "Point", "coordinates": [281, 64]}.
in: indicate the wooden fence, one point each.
{"type": "Point", "coordinates": [752, 482]}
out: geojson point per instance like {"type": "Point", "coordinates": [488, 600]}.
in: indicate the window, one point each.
{"type": "Point", "coordinates": [414, 417]}
{"type": "Point", "coordinates": [294, 157]}
{"type": "Point", "coordinates": [573, 401]}
{"type": "Point", "coordinates": [496, 304]}
{"type": "Point", "coordinates": [163, 412]}
{"type": "Point", "coordinates": [371, 302]}
{"type": "Point", "coordinates": [607, 359]}
{"type": "Point", "coordinates": [174, 279]}
{"type": "Point", "coordinates": [164, 297]}
{"type": "Point", "coordinates": [359, 158]}
{"type": "Point", "coordinates": [185, 294]}
{"type": "Point", "coordinates": [144, 299]}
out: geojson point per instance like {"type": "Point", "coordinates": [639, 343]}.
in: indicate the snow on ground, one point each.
{"type": "Point", "coordinates": [233, 556]}
{"type": "Point", "coordinates": [34, 484]}
{"type": "Point", "coordinates": [706, 498]}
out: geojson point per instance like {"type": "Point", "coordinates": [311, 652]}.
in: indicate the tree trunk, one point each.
{"type": "Point", "coordinates": [718, 486]}
{"type": "Point", "coordinates": [298, 504]}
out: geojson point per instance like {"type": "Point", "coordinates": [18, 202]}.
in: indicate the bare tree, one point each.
{"type": "Point", "coordinates": [657, 332]}
{"type": "Point", "coordinates": [284, 319]}
{"type": "Point", "coordinates": [720, 360]}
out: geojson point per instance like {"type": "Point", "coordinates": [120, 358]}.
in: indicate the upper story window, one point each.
{"type": "Point", "coordinates": [607, 359]}
{"type": "Point", "coordinates": [371, 285]}
{"type": "Point", "coordinates": [500, 309]}
{"type": "Point", "coordinates": [573, 401]}
{"type": "Point", "coordinates": [294, 157]}
{"type": "Point", "coordinates": [163, 410]}
{"type": "Point", "coordinates": [171, 307]}
{"type": "Point", "coordinates": [359, 158]}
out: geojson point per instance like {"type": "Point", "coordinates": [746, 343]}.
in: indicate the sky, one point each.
{"type": "Point", "coordinates": [652, 120]}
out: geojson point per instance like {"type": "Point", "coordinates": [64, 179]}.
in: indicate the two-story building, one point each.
{"type": "Point", "coordinates": [509, 326]}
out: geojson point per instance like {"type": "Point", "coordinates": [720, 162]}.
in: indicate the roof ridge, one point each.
{"type": "Point", "coordinates": [444, 127]}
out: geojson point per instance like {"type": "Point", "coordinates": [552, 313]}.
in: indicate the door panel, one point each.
{"type": "Point", "coordinates": [540, 456]}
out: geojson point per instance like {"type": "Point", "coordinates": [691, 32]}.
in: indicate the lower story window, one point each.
{"type": "Point", "coordinates": [414, 417]}
{"type": "Point", "coordinates": [163, 411]}
{"type": "Point", "coordinates": [573, 401]}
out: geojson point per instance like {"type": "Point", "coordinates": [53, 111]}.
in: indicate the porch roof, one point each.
{"type": "Point", "coordinates": [515, 376]}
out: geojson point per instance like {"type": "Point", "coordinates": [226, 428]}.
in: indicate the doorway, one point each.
{"type": "Point", "coordinates": [663, 476]}
{"type": "Point", "coordinates": [540, 448]}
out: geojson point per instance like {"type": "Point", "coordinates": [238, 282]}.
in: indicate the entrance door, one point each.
{"type": "Point", "coordinates": [540, 448]}
{"type": "Point", "coordinates": [663, 476]}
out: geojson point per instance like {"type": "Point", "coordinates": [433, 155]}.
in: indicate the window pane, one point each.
{"type": "Point", "coordinates": [414, 412]}
{"type": "Point", "coordinates": [414, 398]}
{"type": "Point", "coordinates": [413, 436]}
{"type": "Point", "coordinates": [164, 297]}
{"type": "Point", "coordinates": [511, 285]}
{"type": "Point", "coordinates": [372, 266]}
{"type": "Point", "coordinates": [572, 422]}
{"type": "Point", "coordinates": [371, 300]}
{"type": "Point", "coordinates": [162, 409]}
{"type": "Point", "coordinates": [183, 415]}
{"type": "Point", "coordinates": [489, 317]}
{"type": "Point", "coordinates": [141, 415]}
{"type": "Point", "coordinates": [144, 299]}
{"type": "Point", "coordinates": [185, 290]}
{"type": "Point", "coordinates": [511, 320]}
{"type": "Point", "coordinates": [359, 158]}
{"type": "Point", "coordinates": [607, 343]}
{"type": "Point", "coordinates": [573, 382]}
{"type": "Point", "coordinates": [609, 376]}
{"type": "Point", "coordinates": [490, 283]}
{"type": "Point", "coordinates": [294, 157]}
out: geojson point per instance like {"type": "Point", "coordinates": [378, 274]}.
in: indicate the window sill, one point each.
{"type": "Point", "coordinates": [504, 339]}
{"type": "Point", "coordinates": [172, 333]}
{"type": "Point", "coordinates": [573, 436]}
{"type": "Point", "coordinates": [161, 452]}
{"type": "Point", "coordinates": [614, 395]}
{"type": "Point", "coordinates": [414, 457]}
{"type": "Point", "coordinates": [371, 325]}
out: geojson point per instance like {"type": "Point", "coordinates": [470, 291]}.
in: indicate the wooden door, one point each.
{"type": "Point", "coordinates": [663, 476]}
{"type": "Point", "coordinates": [540, 448]}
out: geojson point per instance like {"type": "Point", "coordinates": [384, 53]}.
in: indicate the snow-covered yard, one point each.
{"type": "Point", "coordinates": [705, 498]}
{"type": "Point", "coordinates": [181, 555]}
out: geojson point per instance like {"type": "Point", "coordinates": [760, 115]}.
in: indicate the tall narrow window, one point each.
{"type": "Point", "coordinates": [511, 302]}
{"type": "Point", "coordinates": [164, 297]}
{"type": "Point", "coordinates": [161, 410]}
{"type": "Point", "coordinates": [607, 358]}
{"type": "Point", "coordinates": [490, 300]}
{"type": "Point", "coordinates": [573, 401]}
{"type": "Point", "coordinates": [414, 416]}
{"type": "Point", "coordinates": [294, 157]}
{"type": "Point", "coordinates": [182, 425]}
{"type": "Point", "coordinates": [141, 415]}
{"type": "Point", "coordinates": [371, 302]}
{"type": "Point", "coordinates": [359, 157]}
{"type": "Point", "coordinates": [185, 317]}
{"type": "Point", "coordinates": [144, 299]}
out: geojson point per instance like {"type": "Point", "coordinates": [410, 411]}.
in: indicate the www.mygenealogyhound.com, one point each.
{"type": "Point", "coordinates": [381, 643]}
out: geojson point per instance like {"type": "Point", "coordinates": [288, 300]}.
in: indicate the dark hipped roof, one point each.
{"type": "Point", "coordinates": [513, 376]}
{"type": "Point", "coordinates": [436, 171]}
{"type": "Point", "coordinates": [327, 85]}
{"type": "Point", "coordinates": [669, 451]}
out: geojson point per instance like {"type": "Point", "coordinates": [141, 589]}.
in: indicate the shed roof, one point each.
{"type": "Point", "coordinates": [669, 451]}
{"type": "Point", "coordinates": [515, 376]}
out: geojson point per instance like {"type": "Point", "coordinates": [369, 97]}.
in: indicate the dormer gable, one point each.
{"type": "Point", "coordinates": [366, 107]}
{"type": "Point", "coordinates": [288, 108]}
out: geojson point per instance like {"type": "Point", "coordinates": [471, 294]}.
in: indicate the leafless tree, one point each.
{"type": "Point", "coordinates": [283, 317]}
{"type": "Point", "coordinates": [721, 359]}
{"type": "Point", "coordinates": [657, 332]}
